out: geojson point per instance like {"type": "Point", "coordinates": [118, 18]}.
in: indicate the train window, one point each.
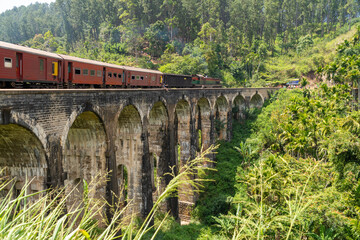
{"type": "Point", "coordinates": [8, 62]}
{"type": "Point", "coordinates": [85, 72]}
{"type": "Point", "coordinates": [153, 78]}
{"type": "Point", "coordinates": [99, 73]}
{"type": "Point", "coordinates": [77, 71]}
{"type": "Point", "coordinates": [109, 74]}
{"type": "Point", "coordinates": [133, 77]}
{"type": "Point", "coordinates": [42, 65]}
{"type": "Point", "coordinates": [92, 72]}
{"type": "Point", "coordinates": [142, 78]}
{"type": "Point", "coordinates": [137, 77]}
{"type": "Point", "coordinates": [115, 75]}
{"type": "Point", "coordinates": [119, 75]}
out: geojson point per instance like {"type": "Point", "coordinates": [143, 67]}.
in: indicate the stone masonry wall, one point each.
{"type": "Point", "coordinates": [59, 137]}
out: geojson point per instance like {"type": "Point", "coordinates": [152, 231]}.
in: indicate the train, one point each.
{"type": "Point", "coordinates": [24, 67]}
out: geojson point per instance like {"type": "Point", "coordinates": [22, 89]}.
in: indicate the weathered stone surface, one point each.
{"type": "Point", "coordinates": [60, 137]}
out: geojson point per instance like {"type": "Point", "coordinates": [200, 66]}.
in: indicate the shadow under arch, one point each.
{"type": "Point", "coordinates": [86, 107]}
{"type": "Point", "coordinates": [23, 158]}
{"type": "Point", "coordinates": [239, 106]}
{"type": "Point", "coordinates": [256, 101]}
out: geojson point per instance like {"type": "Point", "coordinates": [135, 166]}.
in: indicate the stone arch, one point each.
{"type": "Point", "coordinates": [22, 158]}
{"type": "Point", "coordinates": [74, 115]}
{"type": "Point", "coordinates": [138, 108]}
{"type": "Point", "coordinates": [158, 144]}
{"type": "Point", "coordinates": [84, 157]}
{"type": "Point", "coordinates": [256, 101]}
{"type": "Point", "coordinates": [203, 123]}
{"type": "Point", "coordinates": [239, 106]}
{"type": "Point", "coordinates": [130, 151]}
{"type": "Point", "coordinates": [31, 124]}
{"type": "Point", "coordinates": [221, 111]}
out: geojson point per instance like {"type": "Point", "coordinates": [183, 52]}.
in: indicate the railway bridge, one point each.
{"type": "Point", "coordinates": [60, 137]}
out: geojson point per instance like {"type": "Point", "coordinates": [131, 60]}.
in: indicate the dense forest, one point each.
{"type": "Point", "coordinates": [236, 40]}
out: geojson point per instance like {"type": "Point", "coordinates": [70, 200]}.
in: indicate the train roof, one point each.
{"type": "Point", "coordinates": [173, 74]}
{"type": "Point", "coordinates": [19, 48]}
{"type": "Point", "coordinates": [141, 70]}
{"type": "Point", "coordinates": [83, 60]}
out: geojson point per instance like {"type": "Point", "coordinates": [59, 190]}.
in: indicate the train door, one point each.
{"type": "Point", "coordinates": [42, 63]}
{"type": "Point", "coordinates": [19, 66]}
{"type": "Point", "coordinates": [59, 71]}
{"type": "Point", "coordinates": [104, 77]}
{"type": "Point", "coordinates": [70, 72]}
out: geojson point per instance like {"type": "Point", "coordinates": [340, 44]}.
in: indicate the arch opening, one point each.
{"type": "Point", "coordinates": [221, 111]}
{"type": "Point", "coordinates": [22, 158]}
{"type": "Point", "coordinates": [203, 123]}
{"type": "Point", "coordinates": [129, 153]}
{"type": "Point", "coordinates": [84, 158]}
{"type": "Point", "coordinates": [256, 101]}
{"type": "Point", "coordinates": [239, 107]}
{"type": "Point", "coordinates": [158, 146]}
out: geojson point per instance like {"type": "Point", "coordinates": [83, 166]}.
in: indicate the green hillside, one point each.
{"type": "Point", "coordinates": [245, 42]}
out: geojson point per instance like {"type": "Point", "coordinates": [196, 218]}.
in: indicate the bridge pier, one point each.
{"type": "Point", "coordinates": [146, 181]}
{"type": "Point", "coordinates": [173, 204]}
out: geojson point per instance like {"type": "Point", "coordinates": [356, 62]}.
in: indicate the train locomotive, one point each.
{"type": "Point", "coordinates": [23, 67]}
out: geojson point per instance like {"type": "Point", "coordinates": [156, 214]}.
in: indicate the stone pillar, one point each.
{"type": "Point", "coordinates": [212, 134]}
{"type": "Point", "coordinates": [247, 102]}
{"type": "Point", "coordinates": [112, 186]}
{"type": "Point", "coordinates": [193, 133]}
{"type": "Point", "coordinates": [173, 204]}
{"type": "Point", "coordinates": [229, 123]}
{"type": "Point", "coordinates": [56, 175]}
{"type": "Point", "coordinates": [146, 183]}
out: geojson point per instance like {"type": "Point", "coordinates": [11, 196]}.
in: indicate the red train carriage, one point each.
{"type": "Point", "coordinates": [139, 77]}
{"type": "Point", "coordinates": [114, 75]}
{"type": "Point", "coordinates": [21, 65]}
{"type": "Point", "coordinates": [80, 72]}
{"type": "Point", "coordinates": [31, 67]}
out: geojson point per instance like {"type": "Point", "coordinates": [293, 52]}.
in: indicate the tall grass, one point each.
{"type": "Point", "coordinates": [45, 214]}
{"type": "Point", "coordinates": [284, 200]}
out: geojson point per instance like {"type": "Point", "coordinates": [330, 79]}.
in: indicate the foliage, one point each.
{"type": "Point", "coordinates": [293, 173]}
{"type": "Point", "coordinates": [346, 66]}
{"type": "Point", "coordinates": [216, 198]}
{"type": "Point", "coordinates": [46, 215]}
{"type": "Point", "coordinates": [244, 42]}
